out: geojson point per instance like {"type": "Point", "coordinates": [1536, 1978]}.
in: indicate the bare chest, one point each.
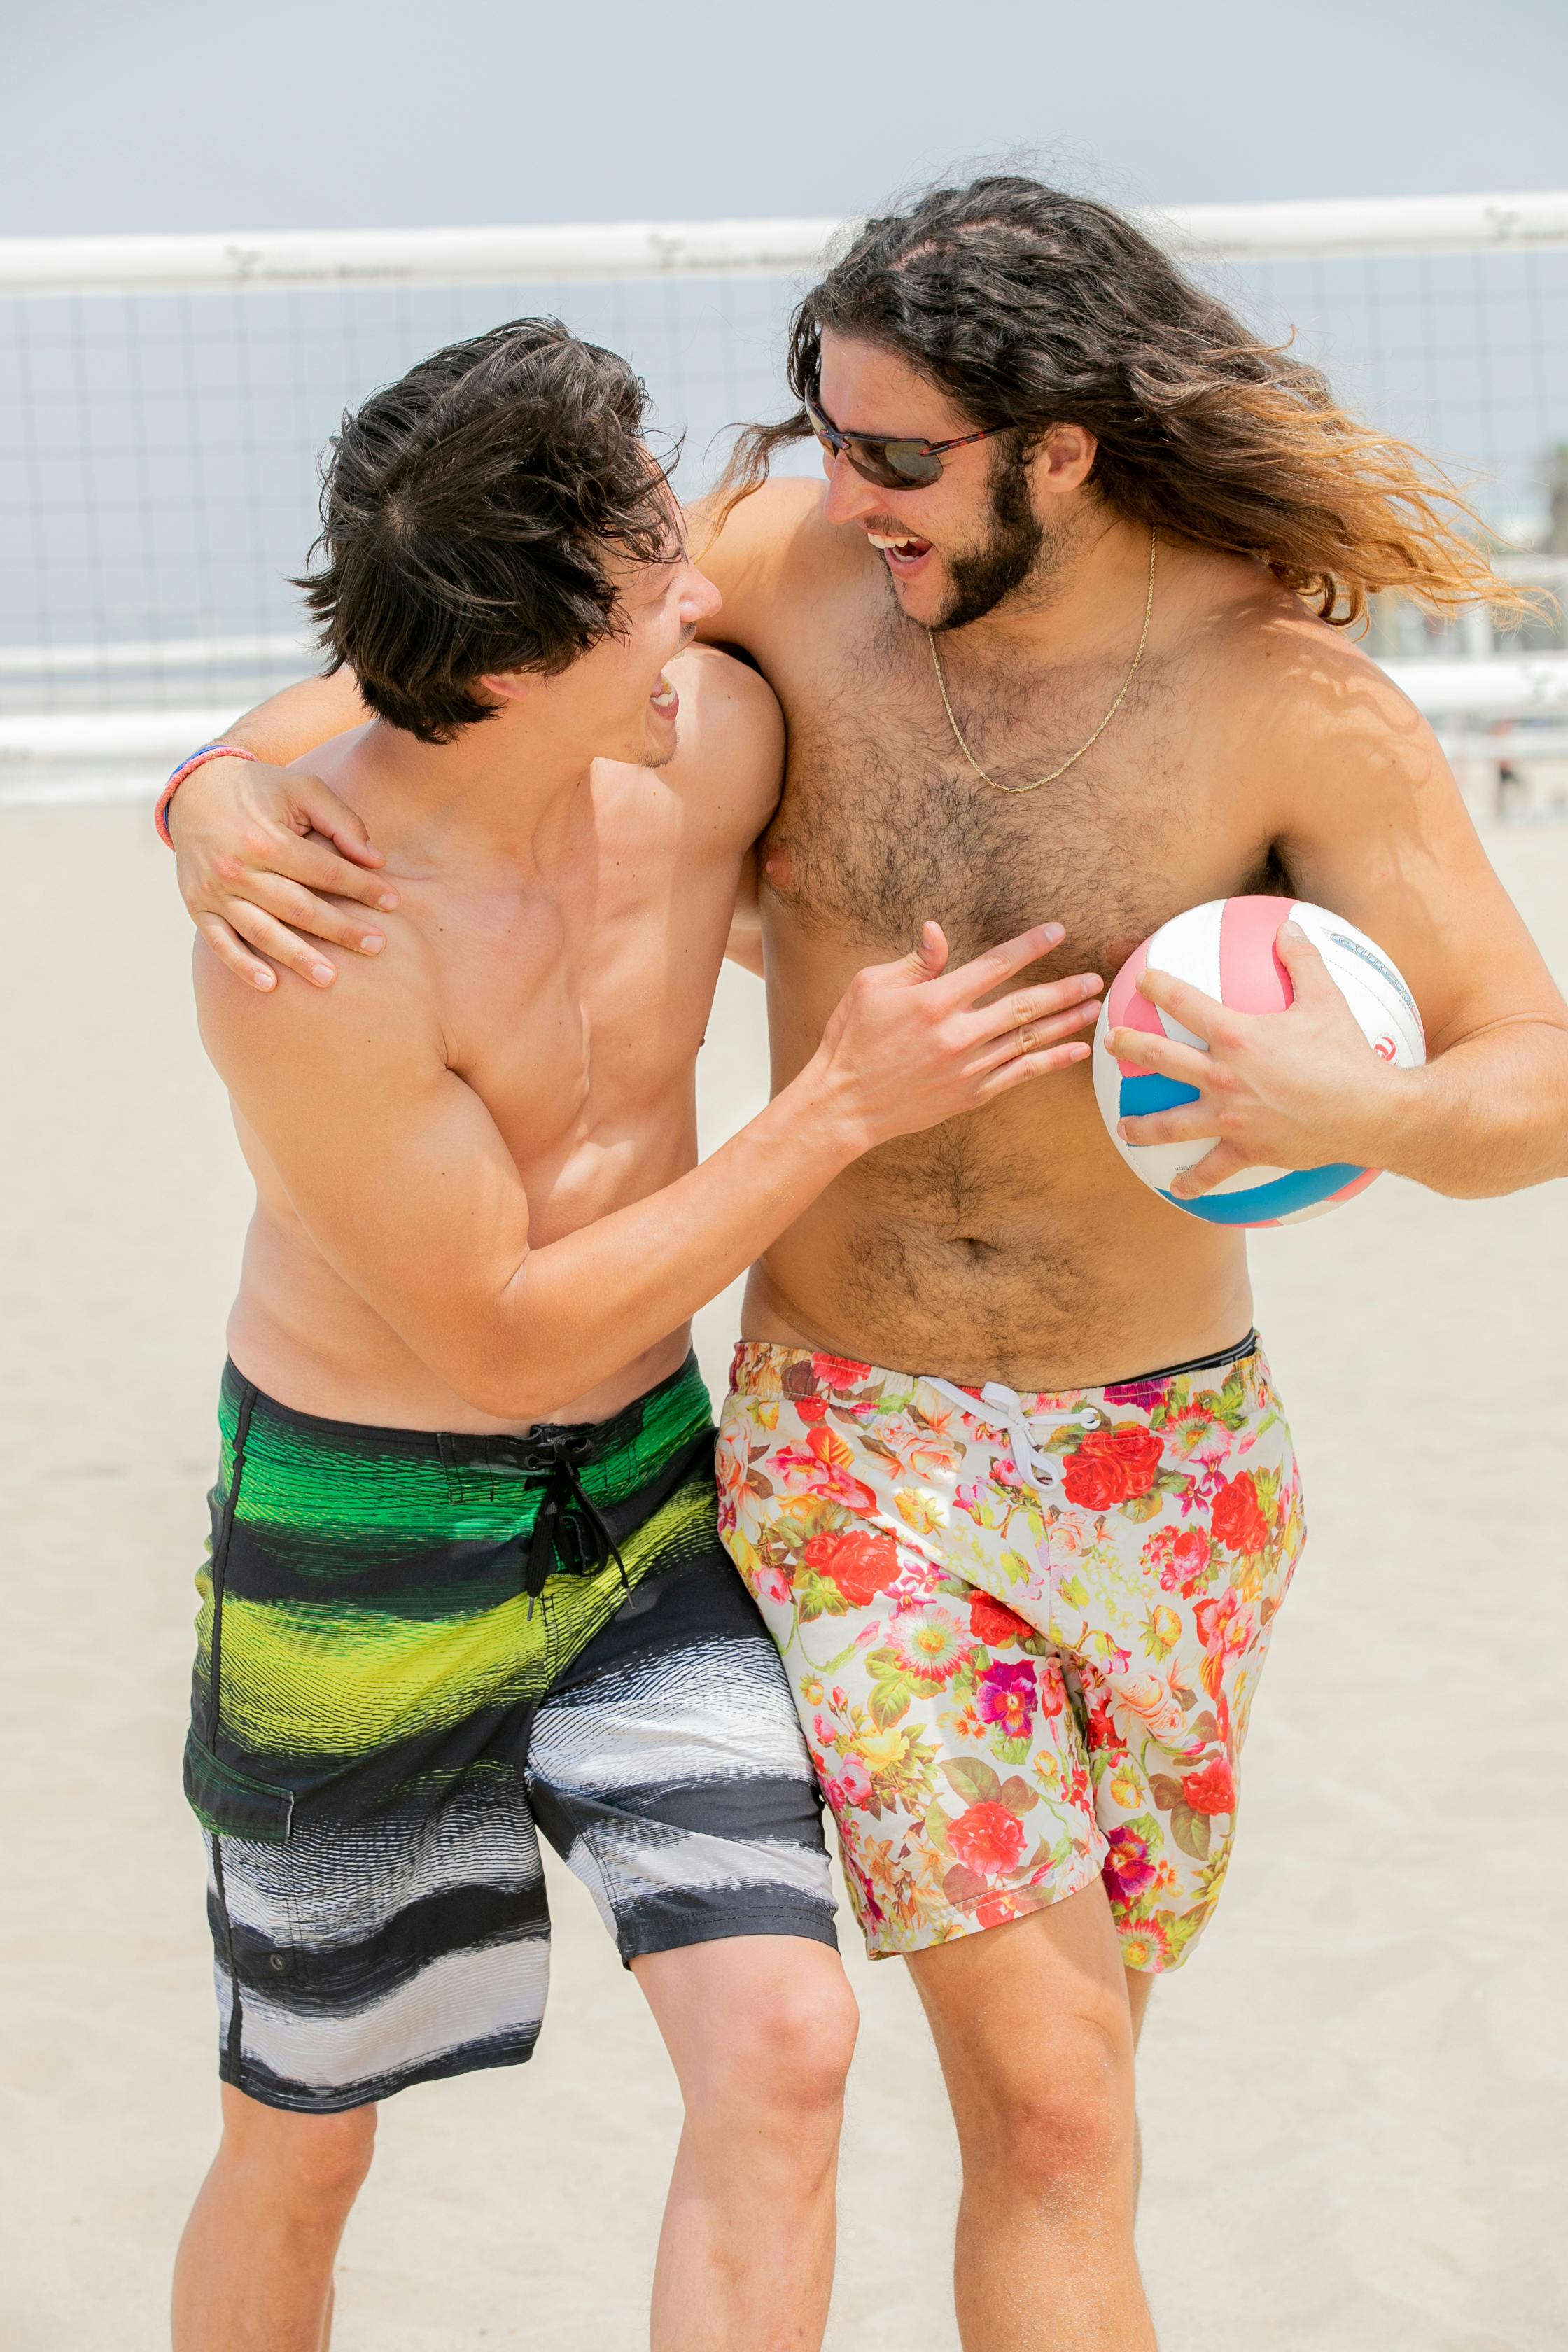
{"type": "Point", "coordinates": [577, 1015]}
{"type": "Point", "coordinates": [883, 824]}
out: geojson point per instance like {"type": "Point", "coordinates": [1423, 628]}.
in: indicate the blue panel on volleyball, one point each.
{"type": "Point", "coordinates": [1263, 1203]}
{"type": "Point", "coordinates": [1144, 1094]}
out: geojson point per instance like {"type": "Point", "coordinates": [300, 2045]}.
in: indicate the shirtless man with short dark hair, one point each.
{"type": "Point", "coordinates": [465, 1583]}
{"type": "Point", "coordinates": [1003, 1466]}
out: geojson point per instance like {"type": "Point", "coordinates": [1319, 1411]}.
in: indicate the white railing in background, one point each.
{"type": "Point", "coordinates": [295, 261]}
{"type": "Point", "coordinates": [56, 753]}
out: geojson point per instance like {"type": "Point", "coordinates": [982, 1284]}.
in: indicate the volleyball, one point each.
{"type": "Point", "coordinates": [1226, 948]}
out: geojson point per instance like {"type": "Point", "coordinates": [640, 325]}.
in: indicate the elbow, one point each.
{"type": "Point", "coordinates": [512, 1390]}
{"type": "Point", "coordinates": [515, 1396]}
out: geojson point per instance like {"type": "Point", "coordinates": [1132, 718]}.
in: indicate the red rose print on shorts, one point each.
{"type": "Point", "coordinates": [1112, 1465]}
{"type": "Point", "coordinates": [974, 1767]}
{"type": "Point", "coordinates": [993, 1622]}
{"type": "Point", "coordinates": [1211, 1790]}
{"type": "Point", "coordinates": [987, 1839]}
{"type": "Point", "coordinates": [1237, 1517]}
{"type": "Point", "coordinates": [859, 1563]}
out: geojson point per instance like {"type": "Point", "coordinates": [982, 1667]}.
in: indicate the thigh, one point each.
{"type": "Point", "coordinates": [1166, 1611]}
{"type": "Point", "coordinates": [668, 1768]}
{"type": "Point", "coordinates": [939, 1719]}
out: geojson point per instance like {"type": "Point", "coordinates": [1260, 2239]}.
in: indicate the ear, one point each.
{"type": "Point", "coordinates": [509, 685]}
{"type": "Point", "coordinates": [1064, 459]}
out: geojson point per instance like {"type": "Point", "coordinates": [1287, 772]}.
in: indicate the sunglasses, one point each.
{"type": "Point", "coordinates": [891, 464]}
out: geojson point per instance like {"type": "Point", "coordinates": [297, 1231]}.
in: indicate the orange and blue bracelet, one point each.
{"type": "Point", "coordinates": [188, 768]}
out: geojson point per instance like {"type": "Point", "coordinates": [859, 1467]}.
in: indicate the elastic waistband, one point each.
{"type": "Point", "coordinates": [762, 1368]}
{"type": "Point", "coordinates": [359, 1471]}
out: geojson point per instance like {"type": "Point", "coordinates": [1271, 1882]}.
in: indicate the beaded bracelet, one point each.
{"type": "Point", "coordinates": [188, 768]}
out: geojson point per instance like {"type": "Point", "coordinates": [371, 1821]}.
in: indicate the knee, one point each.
{"type": "Point", "coordinates": [314, 2165]}
{"type": "Point", "coordinates": [784, 2064]}
{"type": "Point", "coordinates": [1063, 2123]}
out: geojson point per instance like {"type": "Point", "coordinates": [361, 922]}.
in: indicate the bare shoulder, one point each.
{"type": "Point", "coordinates": [1311, 711]}
{"type": "Point", "coordinates": [758, 528]}
{"type": "Point", "coordinates": [732, 739]}
{"type": "Point", "coordinates": [776, 542]}
{"type": "Point", "coordinates": [380, 1015]}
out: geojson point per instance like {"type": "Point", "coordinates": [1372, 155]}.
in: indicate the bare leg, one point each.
{"type": "Point", "coordinates": [760, 2030]}
{"type": "Point", "coordinates": [1140, 1985]}
{"type": "Point", "coordinates": [1034, 2028]}
{"type": "Point", "coordinates": [253, 2272]}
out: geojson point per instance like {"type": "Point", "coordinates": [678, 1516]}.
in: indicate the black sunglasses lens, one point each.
{"type": "Point", "coordinates": [891, 464]}
{"type": "Point", "coordinates": [911, 466]}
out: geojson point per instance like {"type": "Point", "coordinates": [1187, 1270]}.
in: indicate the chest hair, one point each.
{"type": "Point", "coordinates": [883, 824]}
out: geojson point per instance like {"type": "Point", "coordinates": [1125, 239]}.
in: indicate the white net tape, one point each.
{"type": "Point", "coordinates": [162, 401]}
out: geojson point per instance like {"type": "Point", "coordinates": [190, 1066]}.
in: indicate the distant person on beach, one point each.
{"type": "Point", "coordinates": [465, 1582]}
{"type": "Point", "coordinates": [1004, 1466]}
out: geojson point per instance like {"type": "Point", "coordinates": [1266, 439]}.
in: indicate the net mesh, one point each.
{"type": "Point", "coordinates": [158, 452]}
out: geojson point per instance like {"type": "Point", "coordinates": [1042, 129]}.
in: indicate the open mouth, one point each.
{"type": "Point", "coordinates": [664, 698]}
{"type": "Point", "coordinates": [903, 555]}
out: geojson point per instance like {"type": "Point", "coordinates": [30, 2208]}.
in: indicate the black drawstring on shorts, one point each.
{"type": "Point", "coordinates": [570, 1533]}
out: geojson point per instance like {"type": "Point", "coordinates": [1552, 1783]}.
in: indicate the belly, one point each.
{"type": "Point", "coordinates": [306, 1336]}
{"type": "Point", "coordinates": [1010, 1244]}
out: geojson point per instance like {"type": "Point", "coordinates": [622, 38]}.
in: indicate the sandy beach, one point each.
{"type": "Point", "coordinates": [1354, 2102]}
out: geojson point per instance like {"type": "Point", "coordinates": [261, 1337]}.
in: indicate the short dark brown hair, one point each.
{"type": "Point", "coordinates": [469, 514]}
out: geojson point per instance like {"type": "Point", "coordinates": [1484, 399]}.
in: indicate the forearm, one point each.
{"type": "Point", "coordinates": [1490, 1115]}
{"type": "Point", "coordinates": [295, 720]}
{"type": "Point", "coordinates": [580, 1307]}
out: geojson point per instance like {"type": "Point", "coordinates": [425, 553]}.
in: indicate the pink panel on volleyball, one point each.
{"type": "Point", "coordinates": [1251, 977]}
{"type": "Point", "coordinates": [1125, 1009]}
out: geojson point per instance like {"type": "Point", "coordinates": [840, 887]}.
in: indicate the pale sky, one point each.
{"type": "Point", "coordinates": [172, 114]}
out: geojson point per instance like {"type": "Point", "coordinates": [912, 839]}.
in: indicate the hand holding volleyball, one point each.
{"type": "Point", "coordinates": [1232, 1113]}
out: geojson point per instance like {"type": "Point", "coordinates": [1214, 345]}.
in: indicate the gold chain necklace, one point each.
{"type": "Point", "coordinates": [1121, 697]}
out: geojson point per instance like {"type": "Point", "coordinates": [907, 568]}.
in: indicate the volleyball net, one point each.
{"type": "Point", "coordinates": [164, 401]}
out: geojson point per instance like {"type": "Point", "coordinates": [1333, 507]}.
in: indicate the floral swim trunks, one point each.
{"type": "Point", "coordinates": [1023, 1630]}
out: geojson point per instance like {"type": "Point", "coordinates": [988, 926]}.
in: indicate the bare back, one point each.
{"type": "Point", "coordinates": [571, 1004]}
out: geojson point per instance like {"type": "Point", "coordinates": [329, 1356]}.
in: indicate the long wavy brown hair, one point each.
{"type": "Point", "coordinates": [1031, 308]}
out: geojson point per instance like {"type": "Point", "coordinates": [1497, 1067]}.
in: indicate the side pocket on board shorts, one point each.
{"type": "Point", "coordinates": [230, 1803]}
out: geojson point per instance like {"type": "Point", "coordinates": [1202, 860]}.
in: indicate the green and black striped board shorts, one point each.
{"type": "Point", "coordinates": [415, 1651]}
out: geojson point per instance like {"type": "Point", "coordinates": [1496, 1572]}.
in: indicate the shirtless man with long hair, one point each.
{"type": "Point", "coordinates": [1003, 1465]}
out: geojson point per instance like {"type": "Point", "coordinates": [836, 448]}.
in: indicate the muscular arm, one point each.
{"type": "Point", "coordinates": [402, 1180]}
{"type": "Point", "coordinates": [299, 717]}
{"type": "Point", "coordinates": [1368, 821]}
{"type": "Point", "coordinates": [1379, 831]}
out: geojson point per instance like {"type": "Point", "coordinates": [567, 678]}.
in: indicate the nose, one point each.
{"type": "Point", "coordinates": [700, 600]}
{"type": "Point", "coordinates": [849, 494]}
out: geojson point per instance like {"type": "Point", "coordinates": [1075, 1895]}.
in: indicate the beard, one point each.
{"type": "Point", "coordinates": [986, 574]}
